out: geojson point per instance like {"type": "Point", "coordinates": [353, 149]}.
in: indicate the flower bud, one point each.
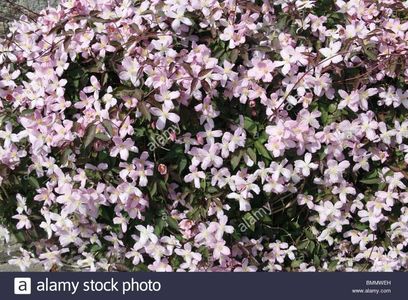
{"type": "Point", "coordinates": [162, 169]}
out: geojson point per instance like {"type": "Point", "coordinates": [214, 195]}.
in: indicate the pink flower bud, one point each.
{"type": "Point", "coordinates": [98, 146]}
{"type": "Point", "coordinates": [200, 139]}
{"type": "Point", "coordinates": [162, 169]}
{"type": "Point", "coordinates": [173, 136]}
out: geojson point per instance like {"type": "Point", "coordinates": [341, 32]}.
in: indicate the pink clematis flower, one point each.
{"type": "Point", "coordinates": [262, 70]}
{"type": "Point", "coordinates": [122, 148]}
{"type": "Point", "coordinates": [164, 114]}
{"type": "Point", "coordinates": [331, 54]}
{"type": "Point", "coordinates": [131, 70]}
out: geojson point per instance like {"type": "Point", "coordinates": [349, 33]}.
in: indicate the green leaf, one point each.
{"type": "Point", "coordinates": [89, 135]}
{"type": "Point", "coordinates": [370, 52]}
{"type": "Point", "coordinates": [316, 260]}
{"type": "Point", "coordinates": [252, 154]}
{"type": "Point", "coordinates": [204, 252]}
{"type": "Point", "coordinates": [33, 182]}
{"type": "Point", "coordinates": [196, 213]}
{"type": "Point", "coordinates": [141, 268]}
{"type": "Point", "coordinates": [263, 137]}
{"type": "Point", "coordinates": [203, 184]}
{"type": "Point", "coordinates": [333, 265]}
{"type": "Point", "coordinates": [19, 235]}
{"type": "Point", "coordinates": [160, 224]}
{"type": "Point", "coordinates": [250, 221]}
{"type": "Point", "coordinates": [162, 186]}
{"type": "Point", "coordinates": [311, 247]}
{"type": "Point", "coordinates": [102, 136]}
{"type": "Point", "coordinates": [234, 55]}
{"type": "Point", "coordinates": [295, 264]}
{"type": "Point", "coordinates": [360, 226]}
{"type": "Point", "coordinates": [153, 189]}
{"type": "Point", "coordinates": [212, 190]}
{"type": "Point", "coordinates": [371, 181]}
{"type": "Point", "coordinates": [250, 126]}
{"type": "Point", "coordinates": [65, 155]}
{"type": "Point", "coordinates": [303, 244]}
{"type": "Point", "coordinates": [182, 164]}
{"type": "Point", "coordinates": [140, 132]}
{"type": "Point", "coordinates": [172, 223]}
{"type": "Point", "coordinates": [235, 159]}
{"type": "Point", "coordinates": [104, 213]}
{"type": "Point", "coordinates": [95, 248]}
{"type": "Point", "coordinates": [382, 186]}
{"type": "Point", "coordinates": [262, 150]}
{"type": "Point", "coordinates": [27, 112]}
{"type": "Point", "coordinates": [108, 125]}
{"type": "Point", "coordinates": [309, 234]}
{"type": "Point", "coordinates": [372, 175]}
{"type": "Point", "coordinates": [283, 22]}
{"type": "Point", "coordinates": [267, 219]}
{"type": "Point", "coordinates": [145, 112]}
{"type": "Point", "coordinates": [332, 108]}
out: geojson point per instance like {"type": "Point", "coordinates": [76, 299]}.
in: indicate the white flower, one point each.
{"type": "Point", "coordinates": [194, 176]}
{"type": "Point", "coordinates": [164, 114]}
{"type": "Point", "coordinates": [4, 234]}
{"type": "Point", "coordinates": [131, 69]}
{"type": "Point", "coordinates": [331, 55]}
{"type": "Point", "coordinates": [179, 18]}
{"type": "Point", "coordinates": [306, 165]}
{"type": "Point", "coordinates": [146, 234]}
